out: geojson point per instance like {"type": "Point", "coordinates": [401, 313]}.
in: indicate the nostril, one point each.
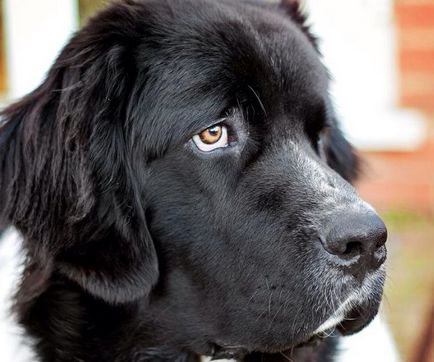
{"type": "Point", "coordinates": [381, 235]}
{"type": "Point", "coordinates": [353, 248]}
{"type": "Point", "coordinates": [378, 245]}
{"type": "Point", "coordinates": [344, 249]}
{"type": "Point", "coordinates": [380, 256]}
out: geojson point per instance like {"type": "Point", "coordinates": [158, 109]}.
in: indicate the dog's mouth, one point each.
{"type": "Point", "coordinates": [314, 340]}
{"type": "Point", "coordinates": [354, 314]}
{"type": "Point", "coordinates": [352, 322]}
{"type": "Point", "coordinates": [355, 321]}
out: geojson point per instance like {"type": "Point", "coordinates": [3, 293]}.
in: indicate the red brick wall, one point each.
{"type": "Point", "coordinates": [415, 30]}
{"type": "Point", "coordinates": [400, 180]}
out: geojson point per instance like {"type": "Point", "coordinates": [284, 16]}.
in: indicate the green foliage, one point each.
{"type": "Point", "coordinates": [400, 220]}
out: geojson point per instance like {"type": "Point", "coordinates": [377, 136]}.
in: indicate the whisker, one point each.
{"type": "Point", "coordinates": [269, 302]}
{"type": "Point", "coordinates": [259, 100]}
{"type": "Point", "coordinates": [286, 357]}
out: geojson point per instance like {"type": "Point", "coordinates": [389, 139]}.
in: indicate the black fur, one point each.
{"type": "Point", "coordinates": [141, 248]}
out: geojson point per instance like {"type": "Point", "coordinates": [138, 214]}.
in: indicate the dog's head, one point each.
{"type": "Point", "coordinates": [185, 156]}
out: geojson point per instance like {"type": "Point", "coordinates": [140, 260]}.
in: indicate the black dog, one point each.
{"type": "Point", "coordinates": [182, 189]}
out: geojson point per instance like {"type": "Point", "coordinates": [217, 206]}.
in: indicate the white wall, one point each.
{"type": "Point", "coordinates": [35, 31]}
{"type": "Point", "coordinates": [359, 46]}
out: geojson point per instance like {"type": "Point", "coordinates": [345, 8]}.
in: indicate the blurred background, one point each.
{"type": "Point", "coordinates": [381, 55]}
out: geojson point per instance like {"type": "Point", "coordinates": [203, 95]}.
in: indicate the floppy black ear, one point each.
{"type": "Point", "coordinates": [66, 177]}
{"type": "Point", "coordinates": [340, 154]}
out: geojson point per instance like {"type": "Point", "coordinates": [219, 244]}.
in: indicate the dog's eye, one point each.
{"type": "Point", "coordinates": [212, 138]}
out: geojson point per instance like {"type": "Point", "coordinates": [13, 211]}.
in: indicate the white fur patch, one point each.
{"type": "Point", "coordinates": [338, 316]}
{"type": "Point", "coordinates": [373, 344]}
{"type": "Point", "coordinates": [13, 346]}
{"type": "Point", "coordinates": [208, 359]}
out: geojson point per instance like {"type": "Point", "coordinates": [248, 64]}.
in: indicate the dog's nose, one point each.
{"type": "Point", "coordinates": [356, 240]}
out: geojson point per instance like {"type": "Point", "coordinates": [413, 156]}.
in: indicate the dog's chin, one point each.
{"type": "Point", "coordinates": [356, 320]}
{"type": "Point", "coordinates": [356, 311]}
{"type": "Point", "coordinates": [352, 322]}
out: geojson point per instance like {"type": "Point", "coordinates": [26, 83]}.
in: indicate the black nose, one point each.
{"type": "Point", "coordinates": [356, 241]}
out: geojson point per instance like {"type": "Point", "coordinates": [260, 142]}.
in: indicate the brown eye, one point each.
{"type": "Point", "coordinates": [211, 135]}
{"type": "Point", "coordinates": [212, 138]}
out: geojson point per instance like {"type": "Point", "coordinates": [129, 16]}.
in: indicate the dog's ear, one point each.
{"type": "Point", "coordinates": [294, 9]}
{"type": "Point", "coordinates": [67, 180]}
{"type": "Point", "coordinates": [340, 154]}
